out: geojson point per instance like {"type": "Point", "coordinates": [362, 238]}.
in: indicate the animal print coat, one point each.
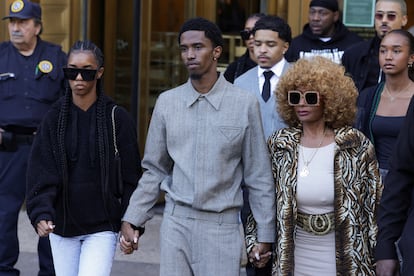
{"type": "Point", "coordinates": [357, 193]}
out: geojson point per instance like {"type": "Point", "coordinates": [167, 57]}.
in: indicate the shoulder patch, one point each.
{"type": "Point", "coordinates": [45, 66]}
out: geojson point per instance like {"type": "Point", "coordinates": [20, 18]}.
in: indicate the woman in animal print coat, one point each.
{"type": "Point", "coordinates": [326, 176]}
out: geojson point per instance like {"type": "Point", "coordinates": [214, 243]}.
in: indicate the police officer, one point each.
{"type": "Point", "coordinates": [31, 79]}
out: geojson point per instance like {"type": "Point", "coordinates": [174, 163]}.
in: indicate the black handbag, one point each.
{"type": "Point", "coordinates": [119, 183]}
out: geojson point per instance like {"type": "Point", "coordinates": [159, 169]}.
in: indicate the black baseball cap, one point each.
{"type": "Point", "coordinates": [327, 4]}
{"type": "Point", "coordinates": [24, 9]}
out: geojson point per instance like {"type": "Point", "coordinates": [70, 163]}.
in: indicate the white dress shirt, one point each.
{"type": "Point", "coordinates": [277, 70]}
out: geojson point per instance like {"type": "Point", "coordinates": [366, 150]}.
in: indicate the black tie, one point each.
{"type": "Point", "coordinates": [266, 86]}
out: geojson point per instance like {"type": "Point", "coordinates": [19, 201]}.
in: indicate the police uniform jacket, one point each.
{"type": "Point", "coordinates": [28, 86]}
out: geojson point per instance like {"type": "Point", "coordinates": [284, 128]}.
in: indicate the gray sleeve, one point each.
{"type": "Point", "coordinates": [156, 165]}
{"type": "Point", "coordinates": [258, 177]}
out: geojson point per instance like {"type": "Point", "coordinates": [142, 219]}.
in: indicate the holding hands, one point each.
{"type": "Point", "coordinates": [128, 240]}
{"type": "Point", "coordinates": [260, 254]}
{"type": "Point", "coordinates": [44, 228]}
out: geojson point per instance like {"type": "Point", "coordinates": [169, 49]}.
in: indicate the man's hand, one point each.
{"type": "Point", "coordinates": [44, 228]}
{"type": "Point", "coordinates": [128, 240]}
{"type": "Point", "coordinates": [387, 267]}
{"type": "Point", "coordinates": [260, 254]}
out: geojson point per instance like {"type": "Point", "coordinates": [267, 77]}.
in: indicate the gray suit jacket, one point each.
{"type": "Point", "coordinates": [271, 120]}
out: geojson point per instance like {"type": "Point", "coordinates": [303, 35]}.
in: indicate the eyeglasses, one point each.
{"type": "Point", "coordinates": [390, 15]}
{"type": "Point", "coordinates": [245, 34]}
{"type": "Point", "coordinates": [311, 97]}
{"type": "Point", "coordinates": [72, 73]}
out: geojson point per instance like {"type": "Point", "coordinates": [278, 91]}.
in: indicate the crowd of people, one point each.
{"type": "Point", "coordinates": [306, 141]}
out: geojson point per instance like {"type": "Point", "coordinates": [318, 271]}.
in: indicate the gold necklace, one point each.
{"type": "Point", "coordinates": [304, 172]}
{"type": "Point", "coordinates": [391, 97]}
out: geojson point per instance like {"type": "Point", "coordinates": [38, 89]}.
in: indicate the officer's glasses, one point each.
{"type": "Point", "coordinates": [86, 74]}
{"type": "Point", "coordinates": [311, 97]}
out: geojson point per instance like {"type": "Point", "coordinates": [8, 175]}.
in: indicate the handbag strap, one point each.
{"type": "Point", "coordinates": [113, 128]}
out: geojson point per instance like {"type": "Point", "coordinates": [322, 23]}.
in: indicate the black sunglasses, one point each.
{"type": "Point", "coordinates": [311, 97]}
{"type": "Point", "coordinates": [390, 15]}
{"type": "Point", "coordinates": [245, 34]}
{"type": "Point", "coordinates": [86, 74]}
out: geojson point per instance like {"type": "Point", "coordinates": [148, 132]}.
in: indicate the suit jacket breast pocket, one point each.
{"type": "Point", "coordinates": [230, 139]}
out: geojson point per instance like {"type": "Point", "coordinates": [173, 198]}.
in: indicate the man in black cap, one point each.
{"type": "Point", "coordinates": [31, 79]}
{"type": "Point", "coordinates": [325, 34]}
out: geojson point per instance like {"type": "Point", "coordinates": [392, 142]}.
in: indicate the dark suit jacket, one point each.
{"type": "Point", "coordinates": [396, 212]}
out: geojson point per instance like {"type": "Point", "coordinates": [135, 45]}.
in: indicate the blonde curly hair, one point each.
{"type": "Point", "coordinates": [337, 91]}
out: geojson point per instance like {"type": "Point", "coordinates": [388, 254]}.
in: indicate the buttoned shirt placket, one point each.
{"type": "Point", "coordinates": [202, 112]}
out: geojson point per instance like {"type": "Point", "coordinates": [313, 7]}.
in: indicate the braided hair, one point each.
{"type": "Point", "coordinates": [102, 130]}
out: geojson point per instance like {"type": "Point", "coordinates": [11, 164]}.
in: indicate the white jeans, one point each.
{"type": "Point", "coordinates": [84, 255]}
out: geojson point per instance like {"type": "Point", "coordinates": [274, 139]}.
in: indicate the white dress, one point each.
{"type": "Point", "coordinates": [315, 255]}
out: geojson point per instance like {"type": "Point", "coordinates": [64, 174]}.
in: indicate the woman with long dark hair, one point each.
{"type": "Point", "coordinates": [382, 108]}
{"type": "Point", "coordinates": [72, 191]}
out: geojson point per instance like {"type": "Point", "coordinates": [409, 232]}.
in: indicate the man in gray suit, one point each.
{"type": "Point", "coordinates": [199, 151]}
{"type": "Point", "coordinates": [272, 36]}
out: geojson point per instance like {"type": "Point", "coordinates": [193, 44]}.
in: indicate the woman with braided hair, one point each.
{"type": "Point", "coordinates": [72, 194]}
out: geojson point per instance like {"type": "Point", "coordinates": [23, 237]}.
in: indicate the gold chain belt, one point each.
{"type": "Point", "coordinates": [316, 224]}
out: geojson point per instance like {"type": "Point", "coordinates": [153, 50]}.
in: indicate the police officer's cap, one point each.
{"type": "Point", "coordinates": [24, 9]}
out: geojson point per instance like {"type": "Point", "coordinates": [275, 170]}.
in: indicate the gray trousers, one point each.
{"type": "Point", "coordinates": [199, 243]}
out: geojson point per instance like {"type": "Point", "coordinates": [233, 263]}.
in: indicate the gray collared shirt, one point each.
{"type": "Point", "coordinates": [200, 148]}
